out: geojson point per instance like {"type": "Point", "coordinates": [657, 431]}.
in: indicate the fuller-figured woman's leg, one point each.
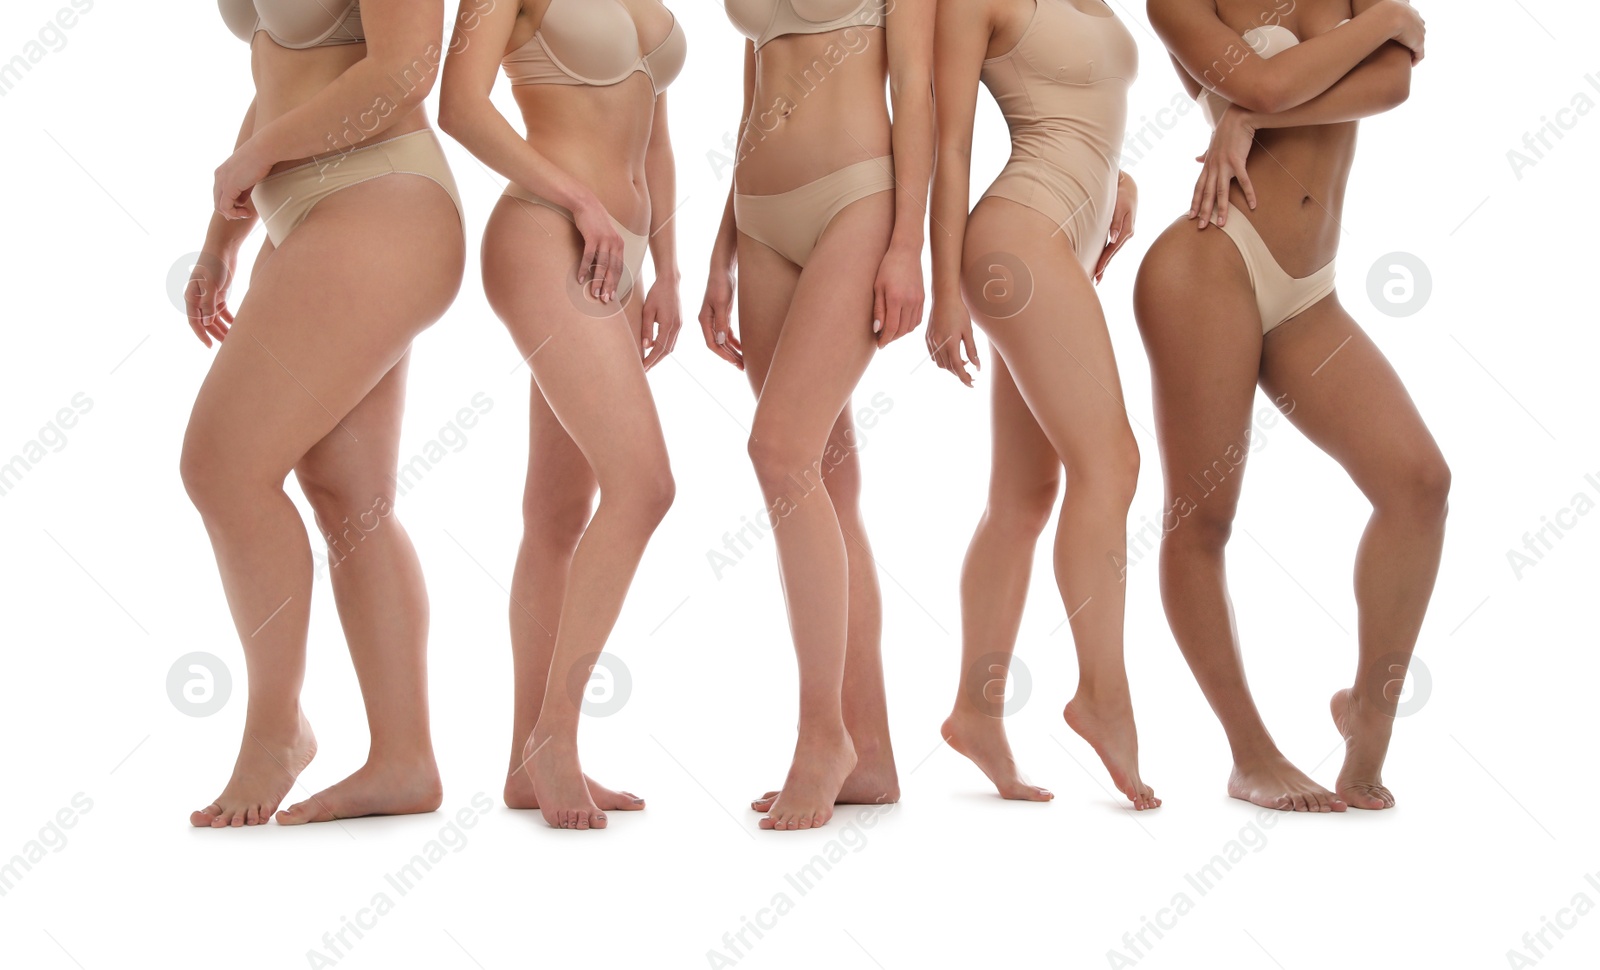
{"type": "Point", "coordinates": [383, 607]}
{"type": "Point", "coordinates": [327, 316]}
{"type": "Point", "coordinates": [1350, 403]}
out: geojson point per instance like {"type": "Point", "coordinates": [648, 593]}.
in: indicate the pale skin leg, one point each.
{"type": "Point", "coordinates": [588, 368]}
{"type": "Point", "coordinates": [1024, 479]}
{"type": "Point", "coordinates": [295, 354]}
{"type": "Point", "coordinates": [1059, 353]}
{"type": "Point", "coordinates": [1350, 403]}
{"type": "Point", "coordinates": [383, 606]}
{"type": "Point", "coordinates": [557, 502]}
{"type": "Point", "coordinates": [762, 309]}
{"type": "Point", "coordinates": [821, 353]}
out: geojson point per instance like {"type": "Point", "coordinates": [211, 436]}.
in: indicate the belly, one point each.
{"type": "Point", "coordinates": [1300, 175]}
{"type": "Point", "coordinates": [819, 105]}
{"type": "Point", "coordinates": [286, 79]}
{"type": "Point", "coordinates": [598, 135]}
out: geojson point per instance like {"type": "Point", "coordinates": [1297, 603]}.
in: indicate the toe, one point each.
{"type": "Point", "coordinates": [768, 822]}
{"type": "Point", "coordinates": [250, 816]}
{"type": "Point", "coordinates": [597, 820]}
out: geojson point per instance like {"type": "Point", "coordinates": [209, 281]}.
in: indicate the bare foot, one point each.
{"type": "Point", "coordinates": [385, 788]}
{"type": "Point", "coordinates": [519, 794]}
{"type": "Point", "coordinates": [1272, 782]}
{"type": "Point", "coordinates": [982, 738]}
{"type": "Point", "coordinates": [558, 783]}
{"type": "Point", "coordinates": [1366, 742]}
{"type": "Point", "coordinates": [815, 779]}
{"type": "Point", "coordinates": [1109, 730]}
{"type": "Point", "coordinates": [262, 776]}
{"type": "Point", "coordinates": [873, 781]}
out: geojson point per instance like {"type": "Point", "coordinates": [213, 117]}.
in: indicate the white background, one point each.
{"type": "Point", "coordinates": [109, 146]}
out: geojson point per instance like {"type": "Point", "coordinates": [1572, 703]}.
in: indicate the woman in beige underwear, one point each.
{"type": "Point", "coordinates": [310, 378]}
{"type": "Point", "coordinates": [1253, 304]}
{"type": "Point", "coordinates": [1024, 265]}
{"type": "Point", "coordinates": [824, 223]}
{"type": "Point", "coordinates": [591, 189]}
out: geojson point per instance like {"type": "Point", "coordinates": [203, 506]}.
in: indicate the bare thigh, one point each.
{"type": "Point", "coordinates": [1202, 332]}
{"type": "Point", "coordinates": [1053, 335]}
{"type": "Point", "coordinates": [585, 357]}
{"type": "Point", "coordinates": [328, 315]}
{"type": "Point", "coordinates": [1341, 392]}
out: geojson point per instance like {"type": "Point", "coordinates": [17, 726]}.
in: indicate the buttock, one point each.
{"type": "Point", "coordinates": [792, 222]}
{"type": "Point", "coordinates": [634, 245]}
{"type": "Point", "coordinates": [1080, 206]}
{"type": "Point", "coordinates": [284, 200]}
{"type": "Point", "coordinates": [1279, 296]}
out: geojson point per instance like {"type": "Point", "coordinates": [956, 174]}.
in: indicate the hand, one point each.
{"type": "Point", "coordinates": [1122, 215]}
{"type": "Point", "coordinates": [233, 180]}
{"type": "Point", "coordinates": [716, 315]}
{"type": "Point", "coordinates": [603, 261]}
{"type": "Point", "coordinates": [1224, 161]}
{"type": "Point", "coordinates": [897, 294]}
{"type": "Point", "coordinates": [660, 321]}
{"type": "Point", "coordinates": [1410, 31]}
{"type": "Point", "coordinates": [950, 330]}
{"type": "Point", "coordinates": [206, 297]}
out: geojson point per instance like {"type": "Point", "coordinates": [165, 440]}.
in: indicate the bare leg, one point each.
{"type": "Point", "coordinates": [556, 505]}
{"type": "Point", "coordinates": [1059, 352]}
{"type": "Point", "coordinates": [1351, 404]}
{"type": "Point", "coordinates": [820, 355]}
{"type": "Point", "coordinates": [327, 316]}
{"type": "Point", "coordinates": [1024, 479]}
{"type": "Point", "coordinates": [383, 607]}
{"type": "Point", "coordinates": [1204, 355]}
{"type": "Point", "coordinates": [588, 368]}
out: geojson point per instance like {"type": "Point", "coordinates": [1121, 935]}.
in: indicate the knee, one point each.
{"type": "Point", "coordinates": [1111, 472]}
{"type": "Point", "coordinates": [213, 478]}
{"type": "Point", "coordinates": [1022, 512]}
{"type": "Point", "coordinates": [1419, 489]}
{"type": "Point", "coordinates": [780, 466]}
{"type": "Point", "coordinates": [553, 519]}
{"type": "Point", "coordinates": [1204, 528]}
{"type": "Point", "coordinates": [644, 497]}
{"type": "Point", "coordinates": [341, 501]}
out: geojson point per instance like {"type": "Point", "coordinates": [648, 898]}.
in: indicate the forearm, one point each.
{"type": "Point", "coordinates": [912, 138]}
{"type": "Point", "coordinates": [661, 181]}
{"type": "Point", "coordinates": [227, 235]}
{"type": "Point", "coordinates": [1309, 69]}
{"type": "Point", "coordinates": [1378, 84]}
{"type": "Point", "coordinates": [948, 218]}
{"type": "Point", "coordinates": [357, 107]}
{"type": "Point", "coordinates": [484, 131]}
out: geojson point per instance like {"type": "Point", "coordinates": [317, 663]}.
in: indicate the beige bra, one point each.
{"type": "Point", "coordinates": [296, 24]}
{"type": "Point", "coordinates": [764, 20]}
{"type": "Point", "coordinates": [594, 43]}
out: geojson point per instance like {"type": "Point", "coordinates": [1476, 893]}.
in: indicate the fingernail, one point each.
{"type": "Point", "coordinates": [1115, 233]}
{"type": "Point", "coordinates": [877, 326]}
{"type": "Point", "coordinates": [722, 338]}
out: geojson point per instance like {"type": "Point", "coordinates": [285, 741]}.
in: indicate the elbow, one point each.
{"type": "Point", "coordinates": [415, 77]}
{"type": "Point", "coordinates": [1399, 88]}
{"type": "Point", "coordinates": [1266, 98]}
{"type": "Point", "coordinates": [453, 116]}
